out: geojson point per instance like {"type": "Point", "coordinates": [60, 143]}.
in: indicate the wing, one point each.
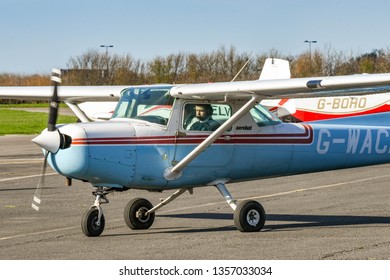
{"type": "Point", "coordinates": [65, 93]}
{"type": "Point", "coordinates": [80, 99]}
{"type": "Point", "coordinates": [286, 88]}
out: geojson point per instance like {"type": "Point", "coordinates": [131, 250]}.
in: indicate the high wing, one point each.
{"type": "Point", "coordinates": [71, 95]}
{"type": "Point", "coordinates": [283, 88]}
{"type": "Point", "coordinates": [65, 93]}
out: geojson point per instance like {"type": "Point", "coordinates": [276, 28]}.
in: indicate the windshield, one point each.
{"type": "Point", "coordinates": [263, 117]}
{"type": "Point", "coordinates": [152, 104]}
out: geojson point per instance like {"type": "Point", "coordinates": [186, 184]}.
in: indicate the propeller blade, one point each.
{"type": "Point", "coordinates": [38, 192]}
{"type": "Point", "coordinates": [53, 111]}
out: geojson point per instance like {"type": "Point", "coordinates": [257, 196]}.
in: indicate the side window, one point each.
{"type": "Point", "coordinates": [204, 116]}
{"type": "Point", "coordinates": [263, 117]}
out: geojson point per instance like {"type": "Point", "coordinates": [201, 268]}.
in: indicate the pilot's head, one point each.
{"type": "Point", "coordinates": [203, 111]}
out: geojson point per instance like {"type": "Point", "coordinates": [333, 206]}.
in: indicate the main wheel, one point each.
{"type": "Point", "coordinates": [249, 216]}
{"type": "Point", "coordinates": [89, 223]}
{"type": "Point", "coordinates": [134, 214]}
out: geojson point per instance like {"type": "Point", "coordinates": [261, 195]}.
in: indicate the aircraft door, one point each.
{"type": "Point", "coordinates": [198, 122]}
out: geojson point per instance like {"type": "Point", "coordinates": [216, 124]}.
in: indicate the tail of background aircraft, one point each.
{"type": "Point", "coordinates": [274, 69]}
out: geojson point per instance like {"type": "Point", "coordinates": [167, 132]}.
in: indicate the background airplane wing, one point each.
{"type": "Point", "coordinates": [65, 93]}
{"type": "Point", "coordinates": [286, 88]}
{"type": "Point", "coordinates": [88, 103]}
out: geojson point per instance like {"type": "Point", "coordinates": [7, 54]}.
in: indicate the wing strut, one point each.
{"type": "Point", "coordinates": [174, 172]}
{"type": "Point", "coordinates": [77, 111]}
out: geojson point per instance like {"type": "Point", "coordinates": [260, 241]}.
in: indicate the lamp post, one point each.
{"type": "Point", "coordinates": [106, 46]}
{"type": "Point", "coordinates": [310, 42]}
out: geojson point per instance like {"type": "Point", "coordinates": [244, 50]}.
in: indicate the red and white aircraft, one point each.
{"type": "Point", "coordinates": [321, 108]}
{"type": "Point", "coordinates": [313, 109]}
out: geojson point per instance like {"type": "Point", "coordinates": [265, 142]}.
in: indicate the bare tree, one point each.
{"type": "Point", "coordinates": [97, 68]}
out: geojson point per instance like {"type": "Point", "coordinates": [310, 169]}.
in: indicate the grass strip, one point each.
{"type": "Point", "coordinates": [22, 122]}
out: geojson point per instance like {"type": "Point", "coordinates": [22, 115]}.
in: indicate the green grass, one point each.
{"type": "Point", "coordinates": [21, 122]}
{"type": "Point", "coordinates": [29, 105]}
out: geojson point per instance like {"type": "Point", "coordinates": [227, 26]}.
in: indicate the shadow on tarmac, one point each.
{"type": "Point", "coordinates": [294, 221]}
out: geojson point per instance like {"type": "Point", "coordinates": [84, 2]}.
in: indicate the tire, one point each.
{"type": "Point", "coordinates": [133, 214]}
{"type": "Point", "coordinates": [88, 223]}
{"type": "Point", "coordinates": [249, 216]}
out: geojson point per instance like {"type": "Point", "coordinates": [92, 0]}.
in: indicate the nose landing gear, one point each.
{"type": "Point", "coordinates": [93, 222]}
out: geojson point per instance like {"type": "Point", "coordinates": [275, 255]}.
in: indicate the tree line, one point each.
{"type": "Point", "coordinates": [97, 68]}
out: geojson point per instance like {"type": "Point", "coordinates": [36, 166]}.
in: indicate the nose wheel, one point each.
{"type": "Point", "coordinates": [91, 224]}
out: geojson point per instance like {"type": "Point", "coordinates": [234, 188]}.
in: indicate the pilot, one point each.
{"type": "Point", "coordinates": [205, 122]}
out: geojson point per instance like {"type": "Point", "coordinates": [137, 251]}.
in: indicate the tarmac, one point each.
{"type": "Point", "coordinates": [342, 214]}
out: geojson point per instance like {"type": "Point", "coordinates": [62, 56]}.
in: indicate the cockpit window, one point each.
{"type": "Point", "coordinates": [152, 104]}
{"type": "Point", "coordinates": [205, 116]}
{"type": "Point", "coordinates": [263, 117]}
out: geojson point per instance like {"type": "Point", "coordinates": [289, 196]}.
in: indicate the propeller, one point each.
{"type": "Point", "coordinates": [38, 192]}
{"type": "Point", "coordinates": [51, 139]}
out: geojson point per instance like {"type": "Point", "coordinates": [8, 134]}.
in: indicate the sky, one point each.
{"type": "Point", "coordinates": [37, 35]}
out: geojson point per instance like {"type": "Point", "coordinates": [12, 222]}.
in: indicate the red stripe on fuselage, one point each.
{"type": "Point", "coordinates": [282, 138]}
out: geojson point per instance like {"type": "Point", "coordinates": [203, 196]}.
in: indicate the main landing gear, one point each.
{"type": "Point", "coordinates": [249, 215]}
{"type": "Point", "coordinates": [139, 213]}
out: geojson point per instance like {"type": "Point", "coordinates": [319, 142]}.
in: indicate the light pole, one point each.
{"type": "Point", "coordinates": [310, 42]}
{"type": "Point", "coordinates": [106, 46]}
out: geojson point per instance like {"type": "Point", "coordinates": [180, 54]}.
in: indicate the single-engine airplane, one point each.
{"type": "Point", "coordinates": [158, 139]}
